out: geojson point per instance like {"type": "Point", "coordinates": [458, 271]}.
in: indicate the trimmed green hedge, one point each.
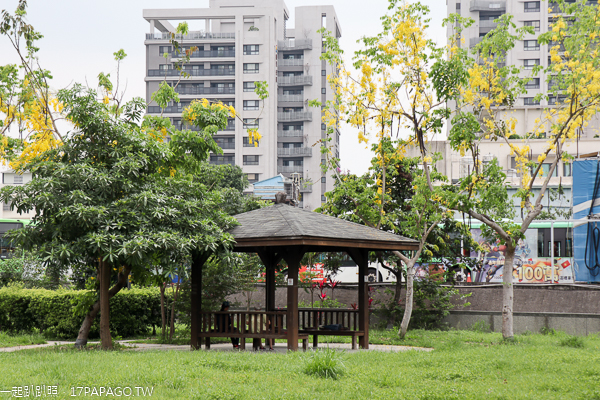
{"type": "Point", "coordinates": [53, 312]}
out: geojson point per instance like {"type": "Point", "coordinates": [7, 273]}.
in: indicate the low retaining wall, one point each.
{"type": "Point", "coordinates": [574, 309]}
{"type": "Point", "coordinates": [573, 324]}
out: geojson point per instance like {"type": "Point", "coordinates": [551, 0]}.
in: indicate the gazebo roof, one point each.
{"type": "Point", "coordinates": [283, 225]}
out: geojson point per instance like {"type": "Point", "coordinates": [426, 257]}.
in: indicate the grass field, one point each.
{"type": "Point", "coordinates": [7, 340]}
{"type": "Point", "coordinates": [464, 365]}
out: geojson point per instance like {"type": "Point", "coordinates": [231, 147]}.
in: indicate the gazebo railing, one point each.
{"type": "Point", "coordinates": [312, 318]}
{"type": "Point", "coordinates": [266, 323]}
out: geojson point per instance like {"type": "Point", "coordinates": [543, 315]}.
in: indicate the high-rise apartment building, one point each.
{"type": "Point", "coordinates": [241, 42]}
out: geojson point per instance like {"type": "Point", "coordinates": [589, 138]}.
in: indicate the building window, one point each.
{"type": "Point", "coordinates": [252, 68]}
{"type": "Point", "coordinates": [323, 91]}
{"type": "Point", "coordinates": [219, 160]}
{"type": "Point", "coordinates": [250, 123]}
{"type": "Point", "coordinates": [250, 105]}
{"type": "Point", "coordinates": [323, 199]}
{"type": "Point", "coordinates": [293, 163]}
{"type": "Point", "coordinates": [531, 45]}
{"type": "Point", "coordinates": [164, 67]}
{"type": "Point", "coordinates": [533, 83]}
{"type": "Point", "coordinates": [246, 140]}
{"type": "Point", "coordinates": [249, 86]}
{"type": "Point", "coordinates": [250, 49]}
{"type": "Point", "coordinates": [532, 6]}
{"type": "Point", "coordinates": [546, 169]}
{"type": "Point", "coordinates": [323, 179]}
{"type": "Point", "coordinates": [323, 72]}
{"type": "Point", "coordinates": [323, 127]}
{"type": "Point", "coordinates": [567, 169]}
{"type": "Point", "coordinates": [250, 160]}
{"type": "Point", "coordinates": [553, 100]}
{"type": "Point", "coordinates": [163, 49]}
{"type": "Point", "coordinates": [531, 101]}
{"type": "Point", "coordinates": [534, 24]}
{"type": "Point", "coordinates": [225, 143]}
{"type": "Point", "coordinates": [529, 64]}
{"type": "Point", "coordinates": [292, 145]}
{"type": "Point", "coordinates": [252, 178]}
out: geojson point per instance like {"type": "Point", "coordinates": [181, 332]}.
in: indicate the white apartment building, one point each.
{"type": "Point", "coordinates": [239, 43]}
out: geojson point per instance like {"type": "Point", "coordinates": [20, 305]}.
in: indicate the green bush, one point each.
{"type": "Point", "coordinates": [572, 341]}
{"type": "Point", "coordinates": [481, 326]}
{"type": "Point", "coordinates": [325, 363]}
{"type": "Point", "coordinates": [327, 303]}
{"type": "Point", "coordinates": [53, 312]}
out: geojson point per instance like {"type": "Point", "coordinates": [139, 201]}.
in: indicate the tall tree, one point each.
{"type": "Point", "coordinates": [392, 95]}
{"type": "Point", "coordinates": [485, 90]}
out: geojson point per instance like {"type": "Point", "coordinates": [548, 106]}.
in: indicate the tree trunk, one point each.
{"type": "Point", "coordinates": [397, 294]}
{"type": "Point", "coordinates": [175, 295]}
{"type": "Point", "coordinates": [410, 274]}
{"type": "Point", "coordinates": [163, 312]}
{"type": "Point", "coordinates": [106, 340]}
{"type": "Point", "coordinates": [84, 331]}
{"type": "Point", "coordinates": [508, 293]}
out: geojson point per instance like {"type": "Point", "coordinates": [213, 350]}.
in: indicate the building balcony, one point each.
{"type": "Point", "coordinates": [306, 189]}
{"type": "Point", "coordinates": [474, 41]}
{"type": "Point", "coordinates": [294, 44]}
{"type": "Point", "coordinates": [291, 63]}
{"type": "Point", "coordinates": [167, 110]}
{"type": "Point", "coordinates": [488, 24]}
{"type": "Point", "coordinates": [191, 36]}
{"type": "Point", "coordinates": [295, 151]}
{"type": "Point", "coordinates": [205, 90]}
{"type": "Point", "coordinates": [290, 98]}
{"type": "Point", "coordinates": [294, 133]}
{"type": "Point", "coordinates": [289, 169]}
{"type": "Point", "coordinates": [295, 80]}
{"type": "Point", "coordinates": [191, 72]}
{"type": "Point", "coordinates": [206, 54]}
{"type": "Point", "coordinates": [294, 116]}
{"type": "Point", "coordinates": [487, 5]}
{"type": "Point", "coordinates": [229, 127]}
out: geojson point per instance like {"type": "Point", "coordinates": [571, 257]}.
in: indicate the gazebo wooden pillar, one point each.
{"type": "Point", "coordinates": [361, 258]}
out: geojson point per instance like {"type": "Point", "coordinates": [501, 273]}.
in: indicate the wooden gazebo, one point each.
{"type": "Point", "coordinates": [284, 232]}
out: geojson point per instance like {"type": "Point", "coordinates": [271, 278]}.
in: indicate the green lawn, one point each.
{"type": "Point", "coordinates": [7, 340]}
{"type": "Point", "coordinates": [464, 365]}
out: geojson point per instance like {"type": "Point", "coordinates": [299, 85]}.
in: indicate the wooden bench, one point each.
{"type": "Point", "coordinates": [310, 319]}
{"type": "Point", "coordinates": [256, 325]}
{"type": "Point", "coordinates": [255, 336]}
{"type": "Point", "coordinates": [326, 332]}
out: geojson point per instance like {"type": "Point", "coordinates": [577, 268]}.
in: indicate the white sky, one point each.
{"type": "Point", "coordinates": [80, 37]}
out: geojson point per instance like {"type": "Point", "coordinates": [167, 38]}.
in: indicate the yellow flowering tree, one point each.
{"type": "Point", "coordinates": [392, 96]}
{"type": "Point", "coordinates": [485, 90]}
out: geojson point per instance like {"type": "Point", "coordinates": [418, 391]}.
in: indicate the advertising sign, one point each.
{"type": "Point", "coordinates": [528, 268]}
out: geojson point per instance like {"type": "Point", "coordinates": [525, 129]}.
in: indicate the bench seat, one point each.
{"type": "Point", "coordinates": [256, 336]}
{"type": "Point", "coordinates": [327, 332]}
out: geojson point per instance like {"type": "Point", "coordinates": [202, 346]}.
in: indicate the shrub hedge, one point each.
{"type": "Point", "coordinates": [54, 312]}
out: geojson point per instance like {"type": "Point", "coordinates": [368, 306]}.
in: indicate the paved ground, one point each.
{"type": "Point", "coordinates": [279, 347]}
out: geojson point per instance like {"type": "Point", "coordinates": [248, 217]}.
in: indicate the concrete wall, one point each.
{"type": "Point", "coordinates": [574, 309]}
